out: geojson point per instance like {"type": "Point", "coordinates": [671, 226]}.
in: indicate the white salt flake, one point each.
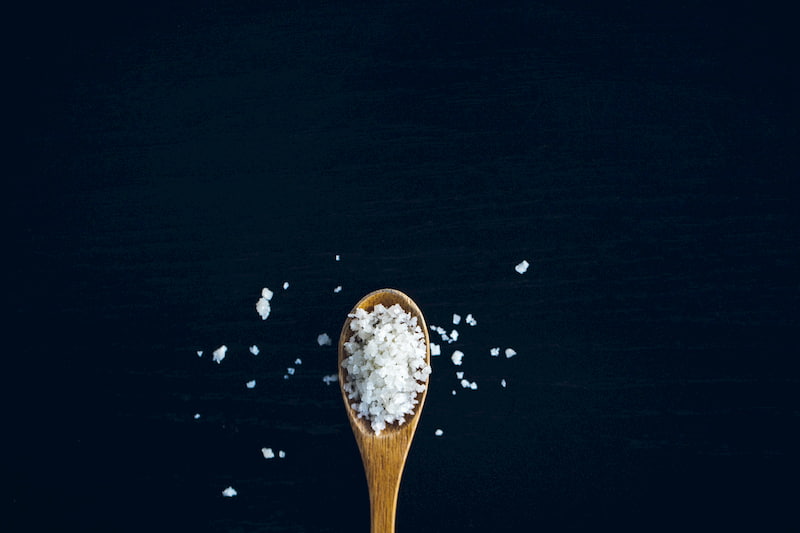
{"type": "Point", "coordinates": [473, 386]}
{"type": "Point", "coordinates": [522, 267]}
{"type": "Point", "coordinates": [457, 356]}
{"type": "Point", "coordinates": [262, 305]}
{"type": "Point", "coordinates": [285, 285]}
{"type": "Point", "coordinates": [290, 371]}
{"type": "Point", "coordinates": [267, 453]}
{"type": "Point", "coordinates": [254, 350]}
{"type": "Point", "coordinates": [251, 384]}
{"type": "Point", "coordinates": [464, 383]}
{"type": "Point", "coordinates": [494, 352]}
{"type": "Point", "coordinates": [459, 375]}
{"type": "Point", "coordinates": [438, 432]}
{"type": "Point", "coordinates": [323, 339]}
{"type": "Point", "coordinates": [331, 378]}
{"type": "Point", "coordinates": [286, 376]}
{"type": "Point", "coordinates": [230, 492]}
{"type": "Point", "coordinates": [199, 353]}
{"type": "Point", "coordinates": [454, 335]}
{"type": "Point", "coordinates": [219, 353]}
{"type": "Point", "coordinates": [298, 361]}
{"type": "Point", "coordinates": [338, 288]}
{"type": "Point", "coordinates": [197, 416]}
{"type": "Point", "coordinates": [281, 454]}
{"type": "Point", "coordinates": [503, 383]}
{"type": "Point", "coordinates": [510, 353]}
{"type": "Point", "coordinates": [338, 257]}
{"type": "Point", "coordinates": [471, 320]}
{"type": "Point", "coordinates": [453, 391]}
{"type": "Point", "coordinates": [435, 350]}
{"type": "Point", "coordinates": [456, 319]}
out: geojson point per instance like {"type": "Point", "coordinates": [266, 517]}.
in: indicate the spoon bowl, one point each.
{"type": "Point", "coordinates": [384, 455]}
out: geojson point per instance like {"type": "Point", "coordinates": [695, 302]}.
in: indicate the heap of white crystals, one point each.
{"type": "Point", "coordinates": [386, 366]}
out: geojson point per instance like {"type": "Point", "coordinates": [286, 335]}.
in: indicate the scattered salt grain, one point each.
{"type": "Point", "coordinates": [456, 319]}
{"type": "Point", "coordinates": [503, 383]}
{"type": "Point", "coordinates": [473, 386]}
{"type": "Point", "coordinates": [457, 356]}
{"type": "Point", "coordinates": [454, 392]}
{"type": "Point", "coordinates": [197, 416]}
{"type": "Point", "coordinates": [230, 492]}
{"type": "Point", "coordinates": [199, 353]}
{"type": "Point", "coordinates": [338, 288]}
{"type": "Point", "coordinates": [438, 433]}
{"type": "Point", "coordinates": [254, 350]}
{"type": "Point", "coordinates": [219, 353]}
{"type": "Point", "coordinates": [338, 257]}
{"type": "Point", "coordinates": [262, 305]}
{"type": "Point", "coordinates": [281, 454]}
{"type": "Point", "coordinates": [471, 320]}
{"type": "Point", "coordinates": [285, 285]}
{"type": "Point", "coordinates": [386, 366]}
{"type": "Point", "coordinates": [298, 361]}
{"type": "Point", "coordinates": [323, 339]}
{"type": "Point", "coordinates": [286, 376]}
{"type": "Point", "coordinates": [331, 378]}
{"type": "Point", "coordinates": [290, 371]}
{"type": "Point", "coordinates": [464, 383]}
{"type": "Point", "coordinates": [459, 375]}
{"type": "Point", "coordinates": [267, 453]}
{"type": "Point", "coordinates": [510, 353]}
{"type": "Point", "coordinates": [251, 384]}
{"type": "Point", "coordinates": [494, 352]}
{"type": "Point", "coordinates": [522, 267]}
{"type": "Point", "coordinates": [435, 350]}
{"type": "Point", "coordinates": [453, 336]}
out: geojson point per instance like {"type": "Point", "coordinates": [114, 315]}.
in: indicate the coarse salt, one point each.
{"type": "Point", "coordinates": [438, 432]}
{"type": "Point", "coordinates": [230, 492]}
{"type": "Point", "coordinates": [267, 453]}
{"type": "Point", "coordinates": [385, 367]}
{"type": "Point", "coordinates": [262, 305]}
{"type": "Point", "coordinates": [435, 350]}
{"type": "Point", "coordinates": [456, 319]}
{"type": "Point", "coordinates": [323, 339]}
{"type": "Point", "coordinates": [254, 350]}
{"type": "Point", "coordinates": [251, 384]}
{"type": "Point", "coordinates": [510, 353]}
{"type": "Point", "coordinates": [457, 356]}
{"type": "Point", "coordinates": [219, 353]}
{"type": "Point", "coordinates": [522, 267]}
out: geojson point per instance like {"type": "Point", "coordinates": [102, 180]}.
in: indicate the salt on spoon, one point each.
{"type": "Point", "coordinates": [384, 452]}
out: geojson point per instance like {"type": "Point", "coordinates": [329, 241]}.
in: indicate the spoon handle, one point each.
{"type": "Point", "coordinates": [383, 465]}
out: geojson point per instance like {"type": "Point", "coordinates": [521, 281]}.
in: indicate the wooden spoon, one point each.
{"type": "Point", "coordinates": [384, 455]}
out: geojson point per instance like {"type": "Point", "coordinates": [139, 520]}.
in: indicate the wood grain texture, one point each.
{"type": "Point", "coordinates": [384, 456]}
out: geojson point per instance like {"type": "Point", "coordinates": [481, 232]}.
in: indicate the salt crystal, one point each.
{"type": "Point", "coordinates": [456, 319]}
{"type": "Point", "coordinates": [298, 361]}
{"type": "Point", "coordinates": [454, 392]}
{"type": "Point", "coordinates": [286, 376]}
{"type": "Point", "coordinates": [281, 454]}
{"type": "Point", "coordinates": [464, 383]}
{"type": "Point", "coordinates": [471, 320]}
{"type": "Point", "coordinates": [323, 339]}
{"type": "Point", "coordinates": [197, 416]}
{"type": "Point", "coordinates": [503, 383]}
{"type": "Point", "coordinates": [454, 335]}
{"type": "Point", "coordinates": [251, 384]}
{"type": "Point", "coordinates": [267, 453]}
{"type": "Point", "coordinates": [290, 371]}
{"type": "Point", "coordinates": [254, 350]}
{"type": "Point", "coordinates": [331, 378]}
{"type": "Point", "coordinates": [230, 492]}
{"type": "Point", "coordinates": [262, 305]}
{"type": "Point", "coordinates": [457, 356]}
{"type": "Point", "coordinates": [460, 375]}
{"type": "Point", "coordinates": [338, 288]}
{"type": "Point", "coordinates": [435, 349]}
{"type": "Point", "coordinates": [438, 433]}
{"type": "Point", "coordinates": [219, 353]}
{"type": "Point", "coordinates": [338, 257]}
{"type": "Point", "coordinates": [199, 353]}
{"type": "Point", "coordinates": [494, 352]}
{"type": "Point", "coordinates": [522, 267]}
{"type": "Point", "coordinates": [285, 285]}
{"type": "Point", "coordinates": [510, 353]}
{"type": "Point", "coordinates": [473, 386]}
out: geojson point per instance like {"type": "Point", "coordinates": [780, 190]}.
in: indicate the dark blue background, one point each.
{"type": "Point", "coordinates": [169, 161]}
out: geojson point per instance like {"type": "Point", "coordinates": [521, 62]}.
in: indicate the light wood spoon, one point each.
{"type": "Point", "coordinates": [384, 455]}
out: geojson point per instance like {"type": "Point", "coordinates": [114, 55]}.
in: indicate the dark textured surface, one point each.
{"type": "Point", "coordinates": [170, 162]}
